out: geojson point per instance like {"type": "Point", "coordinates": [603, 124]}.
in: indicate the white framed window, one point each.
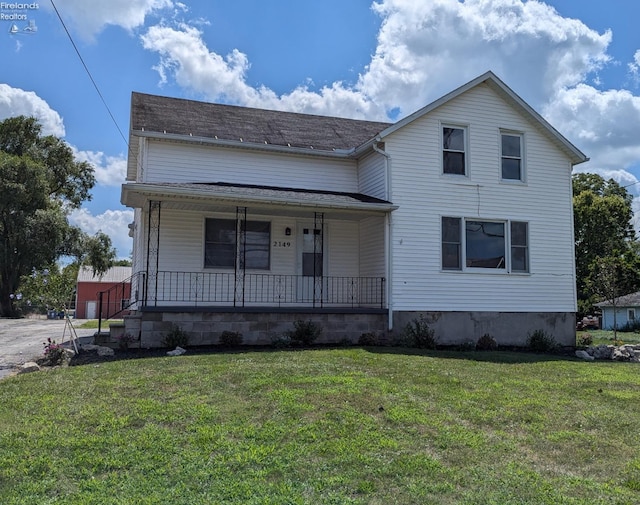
{"type": "Point", "coordinates": [511, 156]}
{"type": "Point", "coordinates": [454, 150]}
{"type": "Point", "coordinates": [220, 247]}
{"type": "Point", "coordinates": [474, 244]}
{"type": "Point", "coordinates": [631, 314]}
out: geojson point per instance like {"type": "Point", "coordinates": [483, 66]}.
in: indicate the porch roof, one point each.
{"type": "Point", "coordinates": [217, 195]}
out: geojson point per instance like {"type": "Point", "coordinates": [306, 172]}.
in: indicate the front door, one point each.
{"type": "Point", "coordinates": [312, 263]}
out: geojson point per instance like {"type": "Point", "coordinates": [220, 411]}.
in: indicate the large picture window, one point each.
{"type": "Point", "coordinates": [453, 151]}
{"type": "Point", "coordinates": [485, 247]}
{"type": "Point", "coordinates": [479, 244]}
{"type": "Point", "coordinates": [221, 248]}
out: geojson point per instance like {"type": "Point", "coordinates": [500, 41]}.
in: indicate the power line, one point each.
{"type": "Point", "coordinates": [95, 85]}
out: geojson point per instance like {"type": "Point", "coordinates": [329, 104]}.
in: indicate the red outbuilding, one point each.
{"type": "Point", "coordinates": [116, 281]}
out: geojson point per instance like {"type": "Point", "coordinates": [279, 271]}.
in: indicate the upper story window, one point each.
{"type": "Point", "coordinates": [480, 244]}
{"type": "Point", "coordinates": [454, 150]}
{"type": "Point", "coordinates": [511, 156]}
{"type": "Point", "coordinates": [221, 251]}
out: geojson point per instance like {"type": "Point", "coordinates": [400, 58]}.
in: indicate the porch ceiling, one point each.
{"type": "Point", "coordinates": [222, 197]}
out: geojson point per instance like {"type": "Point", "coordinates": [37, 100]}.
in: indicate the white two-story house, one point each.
{"type": "Point", "coordinates": [247, 220]}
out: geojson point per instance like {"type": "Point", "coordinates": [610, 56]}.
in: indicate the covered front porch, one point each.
{"type": "Point", "coordinates": [203, 250]}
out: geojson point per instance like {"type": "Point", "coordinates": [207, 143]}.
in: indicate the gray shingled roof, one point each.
{"type": "Point", "coordinates": [630, 300]}
{"type": "Point", "coordinates": [255, 193]}
{"type": "Point", "coordinates": [152, 113]}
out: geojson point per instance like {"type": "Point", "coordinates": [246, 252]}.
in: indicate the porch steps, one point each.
{"type": "Point", "coordinates": [108, 338]}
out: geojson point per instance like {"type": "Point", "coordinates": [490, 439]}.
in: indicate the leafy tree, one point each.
{"type": "Point", "coordinates": [604, 236]}
{"type": "Point", "coordinates": [604, 281]}
{"type": "Point", "coordinates": [40, 183]}
{"type": "Point", "coordinates": [50, 288]}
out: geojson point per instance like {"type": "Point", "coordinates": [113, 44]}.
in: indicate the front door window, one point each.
{"type": "Point", "coordinates": [312, 252]}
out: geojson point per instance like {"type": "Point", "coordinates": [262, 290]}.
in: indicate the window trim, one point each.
{"type": "Point", "coordinates": [465, 130]}
{"type": "Point", "coordinates": [629, 312]}
{"type": "Point", "coordinates": [512, 133]}
{"type": "Point", "coordinates": [508, 247]}
{"type": "Point", "coordinates": [232, 267]}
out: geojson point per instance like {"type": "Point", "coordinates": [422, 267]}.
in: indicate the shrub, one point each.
{"type": "Point", "coordinates": [53, 353]}
{"type": "Point", "coordinates": [281, 341]}
{"type": "Point", "coordinates": [469, 345]}
{"type": "Point", "coordinates": [541, 341]}
{"type": "Point", "coordinates": [124, 340]}
{"type": "Point", "coordinates": [305, 332]}
{"type": "Point", "coordinates": [231, 338]}
{"type": "Point", "coordinates": [585, 340]}
{"type": "Point", "coordinates": [177, 337]}
{"type": "Point", "coordinates": [417, 333]}
{"type": "Point", "coordinates": [368, 339]}
{"type": "Point", "coordinates": [486, 343]}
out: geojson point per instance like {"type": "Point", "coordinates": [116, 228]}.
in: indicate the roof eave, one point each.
{"type": "Point", "coordinates": [304, 151]}
{"type": "Point", "coordinates": [135, 194]}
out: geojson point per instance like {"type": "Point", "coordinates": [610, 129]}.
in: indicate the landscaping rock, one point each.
{"type": "Point", "coordinates": [627, 352]}
{"type": "Point", "coordinates": [584, 355]}
{"type": "Point", "coordinates": [100, 349]}
{"type": "Point", "coordinates": [176, 352]}
{"type": "Point", "coordinates": [28, 367]}
{"type": "Point", "coordinates": [601, 351]}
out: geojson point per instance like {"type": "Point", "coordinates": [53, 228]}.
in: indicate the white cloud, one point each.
{"type": "Point", "coordinates": [109, 170]}
{"type": "Point", "coordinates": [89, 18]}
{"type": "Point", "coordinates": [424, 50]}
{"type": "Point", "coordinates": [604, 124]}
{"type": "Point", "coordinates": [16, 102]}
{"type": "Point", "coordinates": [634, 68]}
{"type": "Point", "coordinates": [427, 48]}
{"type": "Point", "coordinates": [113, 223]}
{"type": "Point", "coordinates": [185, 57]}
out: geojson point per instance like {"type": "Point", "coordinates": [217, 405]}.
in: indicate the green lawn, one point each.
{"type": "Point", "coordinates": [375, 426]}
{"type": "Point", "coordinates": [606, 336]}
{"type": "Point", "coordinates": [93, 323]}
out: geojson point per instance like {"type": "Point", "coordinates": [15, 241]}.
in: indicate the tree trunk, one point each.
{"type": "Point", "coordinates": [7, 309]}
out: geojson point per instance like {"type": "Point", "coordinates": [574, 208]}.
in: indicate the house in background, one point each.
{"type": "Point", "coordinates": [627, 311]}
{"type": "Point", "coordinates": [249, 219]}
{"type": "Point", "coordinates": [89, 286]}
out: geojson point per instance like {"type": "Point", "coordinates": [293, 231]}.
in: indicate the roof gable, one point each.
{"type": "Point", "coordinates": [510, 97]}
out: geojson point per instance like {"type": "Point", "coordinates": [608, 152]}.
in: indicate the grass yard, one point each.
{"type": "Point", "coordinates": [606, 336]}
{"type": "Point", "coordinates": [345, 426]}
{"type": "Point", "coordinates": [91, 324]}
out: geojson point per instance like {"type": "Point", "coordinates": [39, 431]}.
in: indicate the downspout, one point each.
{"type": "Point", "coordinates": [388, 242]}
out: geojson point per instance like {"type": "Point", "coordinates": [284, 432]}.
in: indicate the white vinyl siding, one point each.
{"type": "Point", "coordinates": [372, 246]}
{"type": "Point", "coordinates": [424, 196]}
{"type": "Point", "coordinates": [372, 176]}
{"type": "Point", "coordinates": [182, 243]}
{"type": "Point", "coordinates": [178, 162]}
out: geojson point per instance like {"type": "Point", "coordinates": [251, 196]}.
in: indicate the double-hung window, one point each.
{"type": "Point", "coordinates": [454, 150]}
{"type": "Point", "coordinates": [511, 156]}
{"type": "Point", "coordinates": [469, 244]}
{"type": "Point", "coordinates": [223, 251]}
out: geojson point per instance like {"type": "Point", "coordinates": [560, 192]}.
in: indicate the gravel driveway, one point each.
{"type": "Point", "coordinates": [21, 340]}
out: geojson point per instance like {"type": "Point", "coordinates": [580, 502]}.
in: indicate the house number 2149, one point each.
{"type": "Point", "coordinates": [278, 243]}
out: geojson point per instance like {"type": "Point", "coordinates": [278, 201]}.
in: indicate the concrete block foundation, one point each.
{"type": "Point", "coordinates": [261, 327]}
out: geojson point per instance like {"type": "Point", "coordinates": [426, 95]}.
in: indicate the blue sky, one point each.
{"type": "Point", "coordinates": [576, 62]}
